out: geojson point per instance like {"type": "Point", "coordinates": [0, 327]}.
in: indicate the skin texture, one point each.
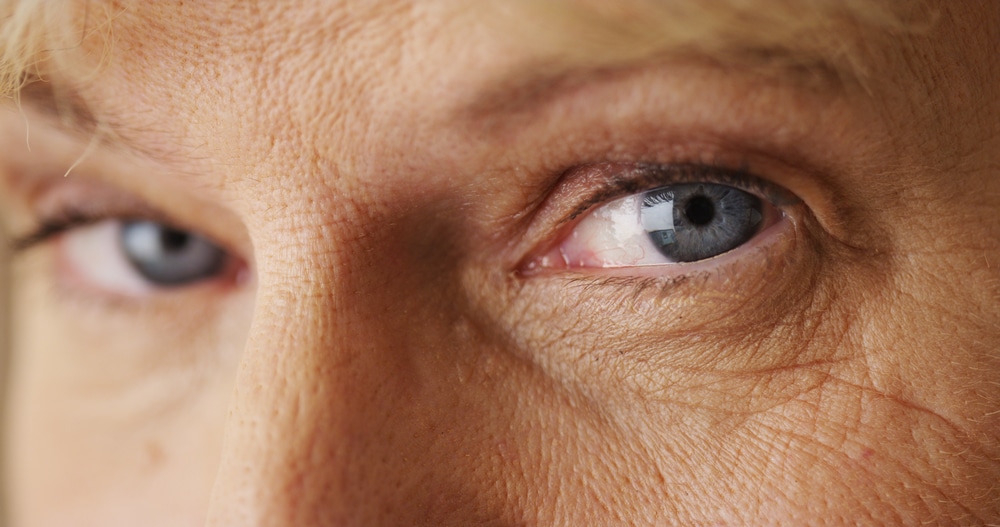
{"type": "Point", "coordinates": [383, 171]}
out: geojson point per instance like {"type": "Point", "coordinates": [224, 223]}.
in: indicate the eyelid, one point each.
{"type": "Point", "coordinates": [65, 217]}
{"type": "Point", "coordinates": [59, 205]}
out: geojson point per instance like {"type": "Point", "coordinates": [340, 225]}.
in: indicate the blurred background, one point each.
{"type": "Point", "coordinates": [4, 333]}
{"type": "Point", "coordinates": [4, 338]}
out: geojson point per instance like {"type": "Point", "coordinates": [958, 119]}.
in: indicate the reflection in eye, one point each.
{"type": "Point", "coordinates": [673, 224]}
{"type": "Point", "coordinates": [134, 257]}
{"type": "Point", "coordinates": [688, 223]}
{"type": "Point", "coordinates": [169, 257]}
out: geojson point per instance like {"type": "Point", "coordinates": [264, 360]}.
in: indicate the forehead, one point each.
{"type": "Point", "coordinates": [290, 52]}
{"type": "Point", "coordinates": [244, 82]}
{"type": "Point", "coordinates": [802, 33]}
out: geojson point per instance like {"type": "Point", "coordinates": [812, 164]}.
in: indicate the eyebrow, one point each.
{"type": "Point", "coordinates": [532, 87]}
{"type": "Point", "coordinates": [820, 49]}
{"type": "Point", "coordinates": [67, 108]}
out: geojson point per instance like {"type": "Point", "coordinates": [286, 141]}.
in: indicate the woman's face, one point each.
{"type": "Point", "coordinates": [393, 263]}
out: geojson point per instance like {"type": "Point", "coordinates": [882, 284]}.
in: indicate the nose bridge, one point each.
{"type": "Point", "coordinates": [348, 393]}
{"type": "Point", "coordinates": [307, 396]}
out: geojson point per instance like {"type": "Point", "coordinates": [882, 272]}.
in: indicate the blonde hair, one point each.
{"type": "Point", "coordinates": [42, 35]}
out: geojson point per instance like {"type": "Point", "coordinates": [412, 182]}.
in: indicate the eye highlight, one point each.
{"type": "Point", "coordinates": [169, 257]}
{"type": "Point", "coordinates": [692, 220]}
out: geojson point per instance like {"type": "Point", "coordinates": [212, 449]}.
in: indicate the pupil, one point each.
{"type": "Point", "coordinates": [174, 241]}
{"type": "Point", "coordinates": [699, 210]}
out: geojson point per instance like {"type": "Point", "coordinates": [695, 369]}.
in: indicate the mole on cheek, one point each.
{"type": "Point", "coordinates": [153, 455]}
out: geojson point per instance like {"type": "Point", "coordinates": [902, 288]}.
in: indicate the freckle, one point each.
{"type": "Point", "coordinates": [154, 454]}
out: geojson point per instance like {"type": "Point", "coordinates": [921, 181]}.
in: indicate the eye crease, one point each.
{"type": "Point", "coordinates": [702, 214]}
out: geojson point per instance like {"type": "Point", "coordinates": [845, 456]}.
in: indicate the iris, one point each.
{"type": "Point", "coordinates": [166, 256]}
{"type": "Point", "coordinates": [691, 222]}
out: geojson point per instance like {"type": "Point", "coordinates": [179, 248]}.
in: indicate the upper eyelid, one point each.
{"type": "Point", "coordinates": [59, 212]}
{"type": "Point", "coordinates": [52, 227]}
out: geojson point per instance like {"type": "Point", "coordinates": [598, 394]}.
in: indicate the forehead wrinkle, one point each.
{"type": "Point", "coordinates": [272, 80]}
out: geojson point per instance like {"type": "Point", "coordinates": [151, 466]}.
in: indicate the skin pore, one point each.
{"type": "Point", "coordinates": [385, 344]}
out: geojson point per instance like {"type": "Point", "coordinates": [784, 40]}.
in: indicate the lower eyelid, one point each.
{"type": "Point", "coordinates": [770, 274]}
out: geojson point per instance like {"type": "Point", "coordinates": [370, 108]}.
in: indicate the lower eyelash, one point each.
{"type": "Point", "coordinates": [630, 290]}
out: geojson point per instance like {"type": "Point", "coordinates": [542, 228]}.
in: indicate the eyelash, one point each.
{"type": "Point", "coordinates": [649, 176]}
{"type": "Point", "coordinates": [616, 180]}
{"type": "Point", "coordinates": [66, 219]}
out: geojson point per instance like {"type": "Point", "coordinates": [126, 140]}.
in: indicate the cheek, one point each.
{"type": "Point", "coordinates": [875, 456]}
{"type": "Point", "coordinates": [747, 448]}
{"type": "Point", "coordinates": [684, 401]}
{"type": "Point", "coordinates": [111, 413]}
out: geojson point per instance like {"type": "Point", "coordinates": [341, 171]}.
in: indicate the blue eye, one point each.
{"type": "Point", "coordinates": [691, 222]}
{"type": "Point", "coordinates": [168, 257]}
{"type": "Point", "coordinates": [672, 224]}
